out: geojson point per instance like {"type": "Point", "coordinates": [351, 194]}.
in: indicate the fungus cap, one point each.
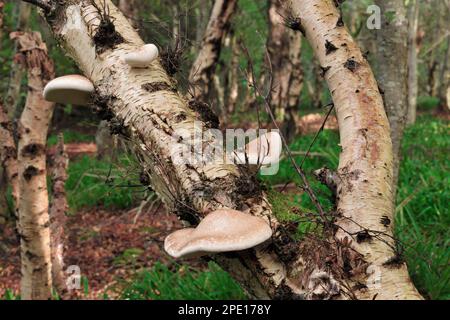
{"type": "Point", "coordinates": [265, 150]}
{"type": "Point", "coordinates": [142, 57]}
{"type": "Point", "coordinates": [222, 230]}
{"type": "Point", "coordinates": [73, 89]}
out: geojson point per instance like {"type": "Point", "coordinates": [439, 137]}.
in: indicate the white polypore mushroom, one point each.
{"type": "Point", "coordinates": [142, 57]}
{"type": "Point", "coordinates": [73, 89]}
{"type": "Point", "coordinates": [264, 150]}
{"type": "Point", "coordinates": [222, 230]}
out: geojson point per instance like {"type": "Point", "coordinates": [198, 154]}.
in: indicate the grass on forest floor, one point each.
{"type": "Point", "coordinates": [182, 282]}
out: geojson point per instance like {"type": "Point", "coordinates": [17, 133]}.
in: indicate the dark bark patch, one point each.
{"type": "Point", "coordinates": [157, 86]}
{"type": "Point", "coordinates": [324, 70]}
{"type": "Point", "coordinates": [329, 47]}
{"type": "Point", "coordinates": [30, 172]}
{"type": "Point", "coordinates": [106, 36]}
{"type": "Point", "coordinates": [363, 236]}
{"type": "Point", "coordinates": [101, 106]}
{"type": "Point", "coordinates": [117, 127]}
{"type": "Point", "coordinates": [337, 3]}
{"type": "Point", "coordinates": [394, 262]}
{"type": "Point", "coordinates": [33, 150]}
{"type": "Point", "coordinates": [385, 221]}
{"type": "Point", "coordinates": [205, 113]}
{"type": "Point", "coordinates": [351, 64]}
{"type": "Point", "coordinates": [10, 152]}
{"type": "Point", "coordinates": [180, 117]}
{"type": "Point", "coordinates": [294, 23]}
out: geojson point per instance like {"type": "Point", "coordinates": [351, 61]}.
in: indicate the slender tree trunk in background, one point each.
{"type": "Point", "coordinates": [444, 79]}
{"type": "Point", "coordinates": [392, 71]}
{"type": "Point", "coordinates": [176, 25]}
{"type": "Point", "coordinates": [58, 209]}
{"type": "Point", "coordinates": [203, 8]}
{"type": "Point", "coordinates": [233, 76]}
{"type": "Point", "coordinates": [8, 160]}
{"type": "Point", "coordinates": [151, 114]}
{"type": "Point", "coordinates": [413, 18]}
{"type": "Point", "coordinates": [284, 46]}
{"type": "Point", "coordinates": [131, 10]}
{"type": "Point", "coordinates": [2, 5]}
{"type": "Point", "coordinates": [202, 71]}
{"type": "Point", "coordinates": [365, 192]}
{"type": "Point", "coordinates": [315, 86]}
{"type": "Point", "coordinates": [17, 72]}
{"type": "Point", "coordinates": [34, 223]}
{"type": "Point", "coordinates": [250, 98]}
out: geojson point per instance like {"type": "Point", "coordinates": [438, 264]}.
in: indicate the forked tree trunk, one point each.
{"type": "Point", "coordinates": [58, 209]}
{"type": "Point", "coordinates": [284, 46]}
{"type": "Point", "coordinates": [413, 17]}
{"type": "Point", "coordinates": [17, 72]}
{"type": "Point", "coordinates": [365, 194]}
{"type": "Point", "coordinates": [150, 111]}
{"type": "Point", "coordinates": [36, 282]}
{"type": "Point", "coordinates": [392, 71]}
{"type": "Point", "coordinates": [202, 71]}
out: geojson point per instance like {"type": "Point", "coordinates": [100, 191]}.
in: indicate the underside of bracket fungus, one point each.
{"type": "Point", "coordinates": [142, 57]}
{"type": "Point", "coordinates": [70, 89]}
{"type": "Point", "coordinates": [264, 150]}
{"type": "Point", "coordinates": [223, 230]}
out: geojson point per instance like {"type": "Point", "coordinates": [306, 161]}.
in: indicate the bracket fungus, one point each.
{"type": "Point", "coordinates": [222, 230]}
{"type": "Point", "coordinates": [73, 89]}
{"type": "Point", "coordinates": [264, 150]}
{"type": "Point", "coordinates": [142, 57]}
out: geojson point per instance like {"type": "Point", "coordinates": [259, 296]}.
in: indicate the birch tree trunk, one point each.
{"type": "Point", "coordinates": [2, 5]}
{"type": "Point", "coordinates": [36, 282]}
{"type": "Point", "coordinates": [17, 71]}
{"type": "Point", "coordinates": [392, 57]}
{"type": "Point", "coordinates": [233, 76]}
{"type": "Point", "coordinates": [8, 156]}
{"type": "Point", "coordinates": [202, 71]}
{"type": "Point", "coordinates": [413, 17]}
{"type": "Point", "coordinates": [150, 110]}
{"type": "Point", "coordinates": [284, 46]}
{"type": "Point", "coordinates": [58, 209]}
{"type": "Point", "coordinates": [365, 193]}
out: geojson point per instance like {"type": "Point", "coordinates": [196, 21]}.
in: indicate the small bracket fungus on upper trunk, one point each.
{"type": "Point", "coordinates": [74, 89]}
{"type": "Point", "coordinates": [223, 230]}
{"type": "Point", "coordinates": [142, 57]}
{"type": "Point", "coordinates": [264, 150]}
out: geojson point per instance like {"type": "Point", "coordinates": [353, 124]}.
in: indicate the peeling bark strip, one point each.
{"type": "Point", "coordinates": [366, 198]}
{"type": "Point", "coordinates": [34, 223]}
{"type": "Point", "coordinates": [202, 71]}
{"type": "Point", "coordinates": [58, 218]}
{"type": "Point", "coordinates": [8, 154]}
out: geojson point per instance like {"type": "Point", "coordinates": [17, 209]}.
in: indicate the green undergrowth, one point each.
{"type": "Point", "coordinates": [182, 282]}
